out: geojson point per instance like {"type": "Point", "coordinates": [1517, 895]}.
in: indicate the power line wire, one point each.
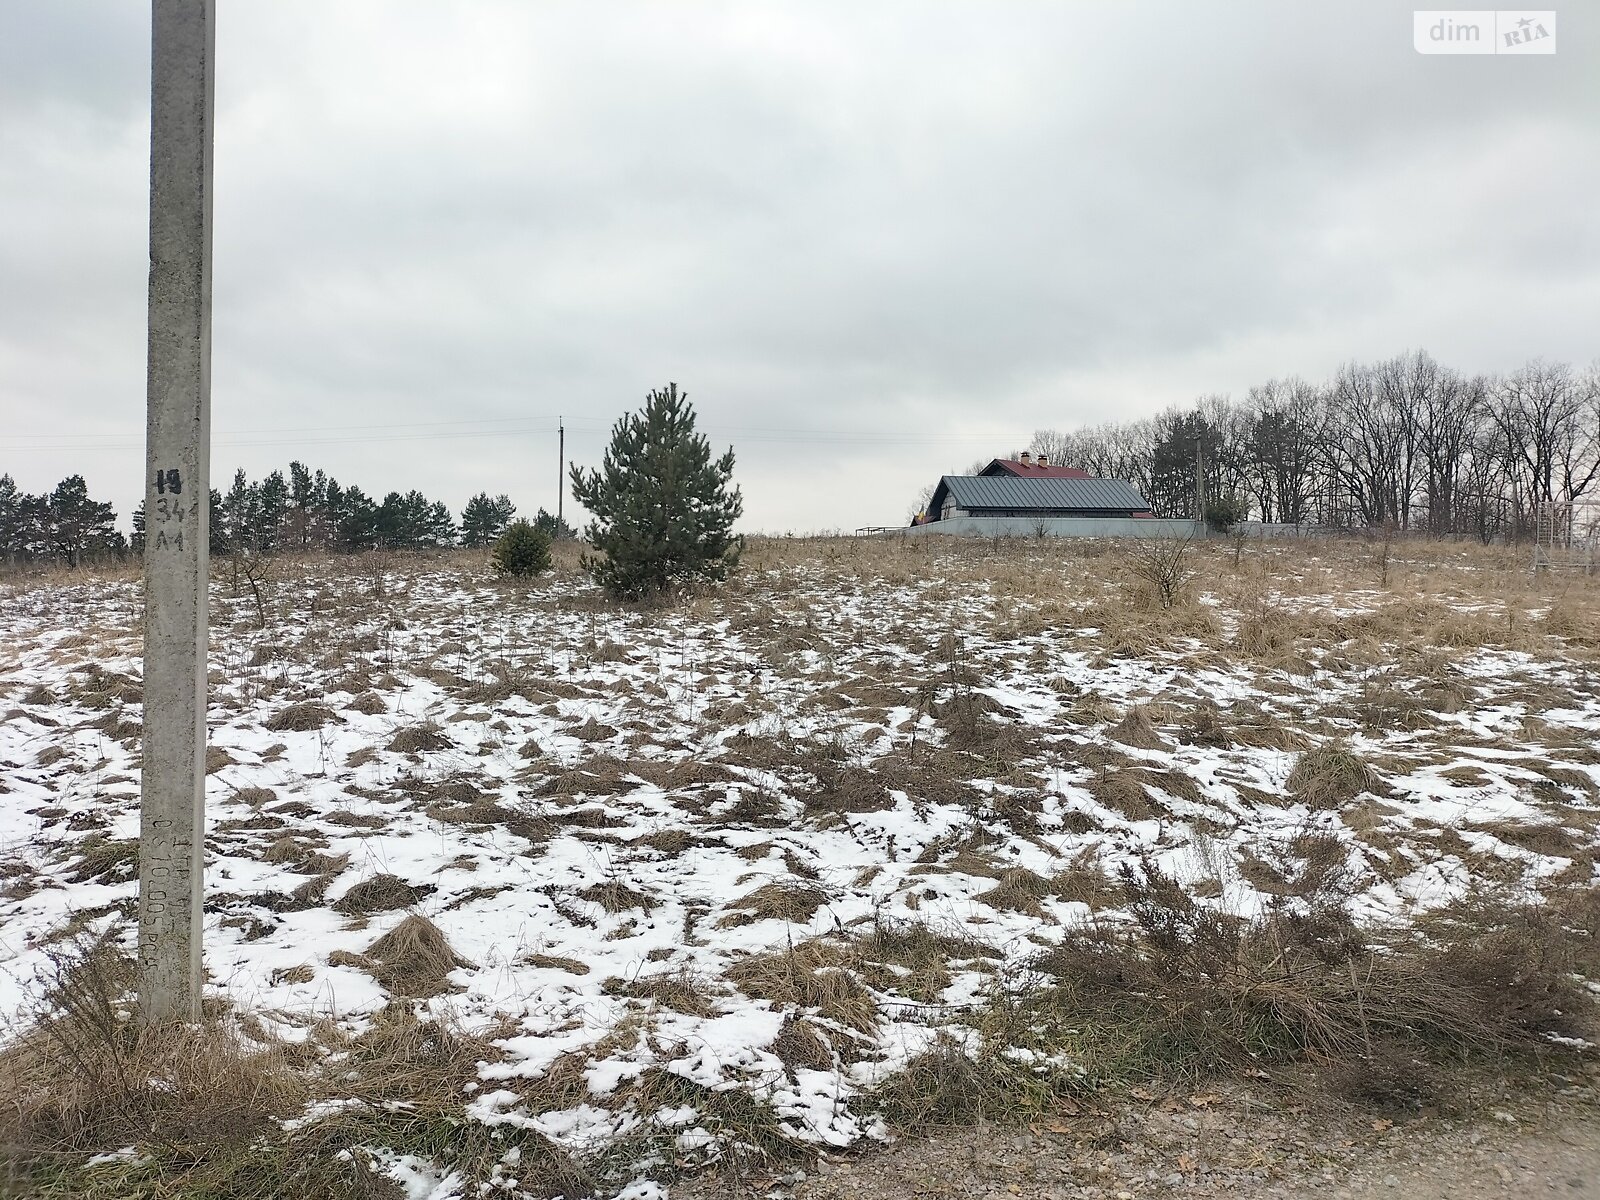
{"type": "Point", "coordinates": [65, 443]}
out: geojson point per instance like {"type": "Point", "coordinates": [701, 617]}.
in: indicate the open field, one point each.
{"type": "Point", "coordinates": [880, 835]}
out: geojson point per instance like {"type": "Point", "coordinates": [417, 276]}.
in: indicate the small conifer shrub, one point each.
{"type": "Point", "coordinates": [521, 551]}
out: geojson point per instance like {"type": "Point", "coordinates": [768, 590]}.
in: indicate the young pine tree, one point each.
{"type": "Point", "coordinates": [663, 508]}
{"type": "Point", "coordinates": [555, 526]}
{"type": "Point", "coordinates": [521, 551]}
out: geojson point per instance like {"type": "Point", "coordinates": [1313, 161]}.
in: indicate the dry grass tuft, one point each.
{"type": "Point", "coordinates": [795, 903]}
{"type": "Point", "coordinates": [680, 990]}
{"type": "Point", "coordinates": [954, 1085]}
{"type": "Point", "coordinates": [679, 775]}
{"type": "Point", "coordinates": [1329, 777]}
{"type": "Point", "coordinates": [847, 789]}
{"type": "Point", "coordinates": [555, 962]}
{"type": "Point", "coordinates": [303, 718]}
{"type": "Point", "coordinates": [382, 893]}
{"type": "Point", "coordinates": [1205, 726]}
{"type": "Point", "coordinates": [1576, 622]}
{"type": "Point", "coordinates": [419, 739]}
{"type": "Point", "coordinates": [368, 704]}
{"type": "Point", "coordinates": [1137, 730]}
{"type": "Point", "coordinates": [1019, 890]}
{"type": "Point", "coordinates": [799, 1045]}
{"type": "Point", "coordinates": [1124, 790]}
{"type": "Point", "coordinates": [912, 959]}
{"type": "Point", "coordinates": [593, 731]}
{"type": "Point", "coordinates": [105, 860]}
{"type": "Point", "coordinates": [669, 841]}
{"type": "Point", "coordinates": [39, 696]}
{"type": "Point", "coordinates": [87, 1079]}
{"type": "Point", "coordinates": [615, 896]}
{"type": "Point", "coordinates": [413, 959]}
{"type": "Point", "coordinates": [748, 1139]}
{"type": "Point", "coordinates": [601, 775]}
{"type": "Point", "coordinates": [813, 976]}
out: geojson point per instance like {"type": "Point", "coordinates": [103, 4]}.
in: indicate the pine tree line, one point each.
{"type": "Point", "coordinates": [310, 510]}
{"type": "Point", "coordinates": [303, 510]}
{"type": "Point", "coordinates": [63, 525]}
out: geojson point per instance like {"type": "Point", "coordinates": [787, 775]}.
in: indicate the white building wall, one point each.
{"type": "Point", "coordinates": [1079, 527]}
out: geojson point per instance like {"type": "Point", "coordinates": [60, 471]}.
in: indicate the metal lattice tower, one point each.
{"type": "Point", "coordinates": [1567, 536]}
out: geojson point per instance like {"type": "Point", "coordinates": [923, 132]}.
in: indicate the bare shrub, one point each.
{"type": "Point", "coordinates": [1384, 553]}
{"type": "Point", "coordinates": [1189, 991]}
{"type": "Point", "coordinates": [256, 569]}
{"type": "Point", "coordinates": [1160, 562]}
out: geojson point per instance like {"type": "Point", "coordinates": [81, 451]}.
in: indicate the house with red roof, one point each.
{"type": "Point", "coordinates": [1031, 488]}
{"type": "Point", "coordinates": [1026, 466]}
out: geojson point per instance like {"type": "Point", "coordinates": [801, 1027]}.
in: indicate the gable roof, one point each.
{"type": "Point", "coordinates": [1009, 491]}
{"type": "Point", "coordinates": [1010, 466]}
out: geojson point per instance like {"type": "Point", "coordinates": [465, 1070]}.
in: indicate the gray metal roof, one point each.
{"type": "Point", "coordinates": [1004, 491]}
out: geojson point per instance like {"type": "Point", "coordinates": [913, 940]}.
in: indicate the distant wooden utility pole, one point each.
{"type": "Point", "coordinates": [177, 510]}
{"type": "Point", "coordinates": [561, 472]}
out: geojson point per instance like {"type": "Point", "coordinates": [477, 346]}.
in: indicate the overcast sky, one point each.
{"type": "Point", "coordinates": [873, 240]}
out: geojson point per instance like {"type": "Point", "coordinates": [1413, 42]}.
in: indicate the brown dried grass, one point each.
{"type": "Point", "coordinates": [813, 976]}
{"type": "Point", "coordinates": [1329, 777]}
{"type": "Point", "coordinates": [303, 717]}
{"type": "Point", "coordinates": [413, 959]}
{"type": "Point", "coordinates": [382, 893]}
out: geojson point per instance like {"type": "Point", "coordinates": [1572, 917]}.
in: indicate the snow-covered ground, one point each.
{"type": "Point", "coordinates": [613, 814]}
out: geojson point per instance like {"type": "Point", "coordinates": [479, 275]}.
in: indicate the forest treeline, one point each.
{"type": "Point", "coordinates": [1405, 443]}
{"type": "Point", "coordinates": [302, 510]}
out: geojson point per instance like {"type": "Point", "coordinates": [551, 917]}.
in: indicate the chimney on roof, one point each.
{"type": "Point", "coordinates": [1025, 459]}
{"type": "Point", "coordinates": [1044, 460]}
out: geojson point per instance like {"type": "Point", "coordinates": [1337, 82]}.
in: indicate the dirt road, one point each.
{"type": "Point", "coordinates": [1232, 1145]}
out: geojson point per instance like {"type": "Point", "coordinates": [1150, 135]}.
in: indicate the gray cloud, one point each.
{"type": "Point", "coordinates": [873, 241]}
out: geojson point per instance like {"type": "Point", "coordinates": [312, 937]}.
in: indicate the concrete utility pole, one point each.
{"type": "Point", "coordinates": [1199, 487]}
{"type": "Point", "coordinates": [561, 472]}
{"type": "Point", "coordinates": [177, 511]}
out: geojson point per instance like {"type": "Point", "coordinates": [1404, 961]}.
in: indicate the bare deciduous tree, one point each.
{"type": "Point", "coordinates": [1406, 442]}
